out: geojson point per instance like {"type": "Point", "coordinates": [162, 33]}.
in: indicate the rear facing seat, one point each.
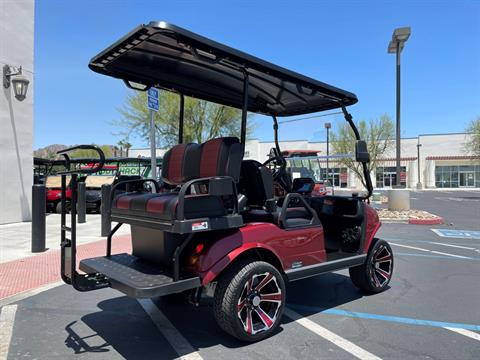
{"type": "Point", "coordinates": [181, 164]}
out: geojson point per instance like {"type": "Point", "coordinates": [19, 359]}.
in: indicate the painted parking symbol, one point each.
{"type": "Point", "coordinates": [459, 234]}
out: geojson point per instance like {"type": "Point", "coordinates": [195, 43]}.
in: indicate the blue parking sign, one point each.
{"type": "Point", "coordinates": [152, 103]}
{"type": "Point", "coordinates": [152, 99]}
{"type": "Point", "coordinates": [152, 92]}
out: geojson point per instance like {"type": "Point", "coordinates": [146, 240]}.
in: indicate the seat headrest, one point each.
{"type": "Point", "coordinates": [181, 164]}
{"type": "Point", "coordinates": [216, 157]}
{"type": "Point", "coordinates": [221, 157]}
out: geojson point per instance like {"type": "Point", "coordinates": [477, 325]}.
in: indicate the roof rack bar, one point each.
{"type": "Point", "coordinates": [243, 131]}
{"type": "Point", "coordinates": [180, 122]}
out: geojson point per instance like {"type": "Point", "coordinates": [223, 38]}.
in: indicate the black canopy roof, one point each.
{"type": "Point", "coordinates": [167, 56]}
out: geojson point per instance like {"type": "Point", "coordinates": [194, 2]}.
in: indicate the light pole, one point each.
{"type": "Point", "coordinates": [399, 38]}
{"type": "Point", "coordinates": [328, 126]}
{"type": "Point", "coordinates": [419, 183]}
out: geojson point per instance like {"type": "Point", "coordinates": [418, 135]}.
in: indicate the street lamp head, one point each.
{"type": "Point", "coordinates": [399, 37]}
{"type": "Point", "coordinates": [401, 34]}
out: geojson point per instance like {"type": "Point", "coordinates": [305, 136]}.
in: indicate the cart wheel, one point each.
{"type": "Point", "coordinates": [375, 274]}
{"type": "Point", "coordinates": [58, 208]}
{"type": "Point", "coordinates": [249, 300]}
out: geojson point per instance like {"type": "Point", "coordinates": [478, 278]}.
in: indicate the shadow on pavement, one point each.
{"type": "Point", "coordinates": [123, 325]}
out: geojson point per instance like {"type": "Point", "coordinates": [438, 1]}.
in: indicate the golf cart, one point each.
{"type": "Point", "coordinates": [304, 163]}
{"type": "Point", "coordinates": [114, 170]}
{"type": "Point", "coordinates": [216, 224]}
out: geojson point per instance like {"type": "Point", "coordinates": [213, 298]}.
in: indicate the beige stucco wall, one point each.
{"type": "Point", "coordinates": [16, 118]}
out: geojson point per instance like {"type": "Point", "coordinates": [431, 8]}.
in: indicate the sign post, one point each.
{"type": "Point", "coordinates": [152, 103]}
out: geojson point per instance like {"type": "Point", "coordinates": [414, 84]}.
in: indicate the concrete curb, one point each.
{"type": "Point", "coordinates": [435, 221]}
{"type": "Point", "coordinates": [395, 220]}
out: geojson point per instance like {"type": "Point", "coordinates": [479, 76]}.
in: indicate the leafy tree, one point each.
{"type": "Point", "coordinates": [379, 135]}
{"type": "Point", "coordinates": [203, 120]}
{"type": "Point", "coordinates": [472, 146]}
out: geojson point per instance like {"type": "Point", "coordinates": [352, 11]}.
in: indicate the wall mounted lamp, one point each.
{"type": "Point", "coordinates": [13, 76]}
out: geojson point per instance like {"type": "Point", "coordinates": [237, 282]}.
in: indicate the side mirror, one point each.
{"type": "Point", "coordinates": [361, 152]}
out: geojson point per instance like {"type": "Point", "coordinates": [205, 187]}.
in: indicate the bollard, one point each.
{"type": "Point", "coordinates": [105, 210]}
{"type": "Point", "coordinates": [39, 204]}
{"type": "Point", "coordinates": [81, 203]}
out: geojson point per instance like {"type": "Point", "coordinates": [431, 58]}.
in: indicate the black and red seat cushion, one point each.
{"type": "Point", "coordinates": [163, 206]}
{"type": "Point", "coordinates": [221, 157]}
{"type": "Point", "coordinates": [181, 163]}
{"type": "Point", "coordinates": [184, 162]}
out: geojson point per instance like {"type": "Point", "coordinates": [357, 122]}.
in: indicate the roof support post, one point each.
{"type": "Point", "coordinates": [275, 134]}
{"type": "Point", "coordinates": [180, 122]}
{"type": "Point", "coordinates": [243, 131]}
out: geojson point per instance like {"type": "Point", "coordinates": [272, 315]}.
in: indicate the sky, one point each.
{"type": "Point", "coordinates": [342, 43]}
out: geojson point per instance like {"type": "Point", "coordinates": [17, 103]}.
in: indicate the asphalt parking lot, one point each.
{"type": "Point", "coordinates": [431, 310]}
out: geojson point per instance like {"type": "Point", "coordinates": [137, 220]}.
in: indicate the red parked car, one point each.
{"type": "Point", "coordinates": [216, 223]}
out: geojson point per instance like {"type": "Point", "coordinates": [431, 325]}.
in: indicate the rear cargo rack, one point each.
{"type": "Point", "coordinates": [124, 272]}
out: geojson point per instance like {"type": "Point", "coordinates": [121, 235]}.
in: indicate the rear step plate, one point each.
{"type": "Point", "coordinates": [135, 277]}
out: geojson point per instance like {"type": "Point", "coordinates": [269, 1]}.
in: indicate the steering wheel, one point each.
{"type": "Point", "coordinates": [279, 172]}
{"type": "Point", "coordinates": [279, 166]}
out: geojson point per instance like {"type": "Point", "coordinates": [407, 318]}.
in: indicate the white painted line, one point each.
{"type": "Point", "coordinates": [464, 332]}
{"type": "Point", "coordinates": [436, 231]}
{"type": "Point", "coordinates": [330, 336]}
{"type": "Point", "coordinates": [452, 255]}
{"type": "Point", "coordinates": [409, 247]}
{"type": "Point", "coordinates": [28, 293]}
{"type": "Point", "coordinates": [7, 318]}
{"type": "Point", "coordinates": [454, 246]}
{"type": "Point", "coordinates": [173, 336]}
{"type": "Point", "coordinates": [430, 251]}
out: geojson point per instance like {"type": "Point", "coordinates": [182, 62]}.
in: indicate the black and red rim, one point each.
{"type": "Point", "coordinates": [259, 303]}
{"type": "Point", "coordinates": [381, 266]}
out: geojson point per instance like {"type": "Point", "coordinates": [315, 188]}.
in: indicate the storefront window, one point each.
{"type": "Point", "coordinates": [457, 176]}
{"type": "Point", "coordinates": [386, 176]}
{"type": "Point", "coordinates": [338, 176]}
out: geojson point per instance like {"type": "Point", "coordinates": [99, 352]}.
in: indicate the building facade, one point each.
{"type": "Point", "coordinates": [16, 117]}
{"type": "Point", "coordinates": [443, 162]}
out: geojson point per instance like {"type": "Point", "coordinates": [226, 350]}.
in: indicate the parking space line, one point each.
{"type": "Point", "coordinates": [389, 318]}
{"type": "Point", "coordinates": [430, 251]}
{"type": "Point", "coordinates": [451, 245]}
{"type": "Point", "coordinates": [435, 256]}
{"type": "Point", "coordinates": [7, 318]}
{"type": "Point", "coordinates": [182, 347]}
{"type": "Point", "coordinates": [330, 336]}
{"type": "Point", "coordinates": [464, 332]}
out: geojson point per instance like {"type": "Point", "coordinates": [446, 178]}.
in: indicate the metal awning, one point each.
{"type": "Point", "coordinates": [169, 57]}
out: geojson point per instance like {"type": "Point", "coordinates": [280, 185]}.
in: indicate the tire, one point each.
{"type": "Point", "coordinates": [238, 295]}
{"type": "Point", "coordinates": [58, 207]}
{"type": "Point", "coordinates": [375, 274]}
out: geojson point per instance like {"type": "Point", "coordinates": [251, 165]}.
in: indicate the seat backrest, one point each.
{"type": "Point", "coordinates": [216, 157]}
{"type": "Point", "coordinates": [256, 183]}
{"type": "Point", "coordinates": [221, 157]}
{"type": "Point", "coordinates": [181, 163]}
